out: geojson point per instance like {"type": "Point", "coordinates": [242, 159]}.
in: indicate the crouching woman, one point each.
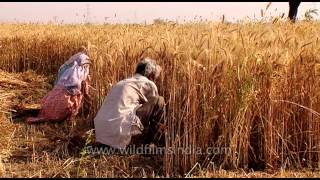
{"type": "Point", "coordinates": [71, 87]}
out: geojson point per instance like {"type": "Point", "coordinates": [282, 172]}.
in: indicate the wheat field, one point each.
{"type": "Point", "coordinates": [252, 88]}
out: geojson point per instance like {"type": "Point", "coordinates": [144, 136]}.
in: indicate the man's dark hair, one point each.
{"type": "Point", "coordinates": [141, 68]}
{"type": "Point", "coordinates": [147, 67]}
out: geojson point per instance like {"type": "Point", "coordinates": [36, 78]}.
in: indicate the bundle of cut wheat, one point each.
{"type": "Point", "coordinates": [21, 90]}
{"type": "Point", "coordinates": [17, 90]}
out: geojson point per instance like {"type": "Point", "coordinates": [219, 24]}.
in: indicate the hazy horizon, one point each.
{"type": "Point", "coordinates": [140, 12]}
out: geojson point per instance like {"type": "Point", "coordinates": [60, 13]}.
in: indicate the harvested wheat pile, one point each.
{"type": "Point", "coordinates": [20, 93]}
{"type": "Point", "coordinates": [5, 128]}
{"type": "Point", "coordinates": [1, 168]}
{"type": "Point", "coordinates": [17, 90]}
{"type": "Point", "coordinates": [21, 89]}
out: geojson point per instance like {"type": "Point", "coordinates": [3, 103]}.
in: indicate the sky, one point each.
{"type": "Point", "coordinates": [140, 12]}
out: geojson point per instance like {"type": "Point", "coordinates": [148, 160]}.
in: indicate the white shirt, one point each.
{"type": "Point", "coordinates": [116, 120]}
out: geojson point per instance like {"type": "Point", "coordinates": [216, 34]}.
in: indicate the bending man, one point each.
{"type": "Point", "coordinates": [132, 107]}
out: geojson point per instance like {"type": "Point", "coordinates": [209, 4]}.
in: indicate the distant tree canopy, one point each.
{"type": "Point", "coordinates": [162, 21]}
{"type": "Point", "coordinates": [159, 21]}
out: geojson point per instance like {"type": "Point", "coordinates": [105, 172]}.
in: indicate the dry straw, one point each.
{"type": "Point", "coordinates": [2, 170]}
